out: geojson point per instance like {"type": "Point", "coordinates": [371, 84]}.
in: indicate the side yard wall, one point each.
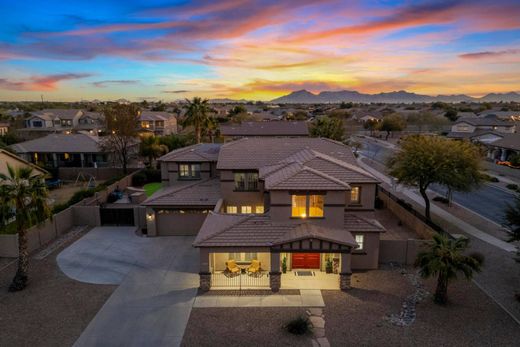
{"type": "Point", "coordinates": [400, 251]}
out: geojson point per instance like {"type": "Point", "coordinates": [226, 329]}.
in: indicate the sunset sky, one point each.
{"type": "Point", "coordinates": [166, 50]}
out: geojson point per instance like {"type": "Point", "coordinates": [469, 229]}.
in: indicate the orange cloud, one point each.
{"type": "Point", "coordinates": [39, 83]}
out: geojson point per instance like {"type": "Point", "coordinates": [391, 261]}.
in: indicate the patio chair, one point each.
{"type": "Point", "coordinates": [231, 266]}
{"type": "Point", "coordinates": [254, 268]}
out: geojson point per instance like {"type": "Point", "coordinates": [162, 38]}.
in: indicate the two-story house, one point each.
{"type": "Point", "coordinates": [285, 203]}
{"type": "Point", "coordinates": [485, 130]}
{"type": "Point", "coordinates": [158, 123]}
{"type": "Point", "coordinates": [267, 128]}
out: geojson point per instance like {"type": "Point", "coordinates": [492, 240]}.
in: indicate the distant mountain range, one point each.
{"type": "Point", "coordinates": [306, 97]}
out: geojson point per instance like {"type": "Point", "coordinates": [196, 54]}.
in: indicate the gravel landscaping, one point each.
{"type": "Point", "coordinates": [361, 316]}
{"type": "Point", "coordinates": [53, 310]}
{"type": "Point", "coordinates": [243, 327]}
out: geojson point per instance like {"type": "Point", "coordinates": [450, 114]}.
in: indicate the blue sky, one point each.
{"type": "Point", "coordinates": [166, 50]}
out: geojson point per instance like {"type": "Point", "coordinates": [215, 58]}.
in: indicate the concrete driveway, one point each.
{"type": "Point", "coordinates": [158, 283]}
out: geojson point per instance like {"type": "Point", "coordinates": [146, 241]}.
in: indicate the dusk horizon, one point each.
{"type": "Point", "coordinates": [252, 50]}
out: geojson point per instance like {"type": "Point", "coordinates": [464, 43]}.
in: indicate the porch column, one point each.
{"type": "Point", "coordinates": [204, 270]}
{"type": "Point", "coordinates": [503, 154]}
{"type": "Point", "coordinates": [150, 222]}
{"type": "Point", "coordinates": [275, 276]}
{"type": "Point", "coordinates": [346, 272]}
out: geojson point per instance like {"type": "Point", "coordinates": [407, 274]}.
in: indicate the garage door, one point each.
{"type": "Point", "coordinates": [306, 260]}
{"type": "Point", "coordinates": [175, 223]}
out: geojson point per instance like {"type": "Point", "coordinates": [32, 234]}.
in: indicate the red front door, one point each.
{"type": "Point", "coordinates": [305, 260]}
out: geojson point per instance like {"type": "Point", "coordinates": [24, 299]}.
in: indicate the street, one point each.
{"type": "Point", "coordinates": [487, 201]}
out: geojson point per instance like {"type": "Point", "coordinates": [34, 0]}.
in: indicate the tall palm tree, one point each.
{"type": "Point", "coordinates": [196, 115]}
{"type": "Point", "coordinates": [211, 128]}
{"type": "Point", "coordinates": [445, 259]}
{"type": "Point", "coordinates": [152, 148]}
{"type": "Point", "coordinates": [26, 194]}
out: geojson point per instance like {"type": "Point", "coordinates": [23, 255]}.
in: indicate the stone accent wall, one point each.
{"type": "Point", "coordinates": [275, 281]}
{"type": "Point", "coordinates": [205, 281]}
{"type": "Point", "coordinates": [344, 281]}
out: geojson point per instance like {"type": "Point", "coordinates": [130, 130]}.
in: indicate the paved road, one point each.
{"type": "Point", "coordinates": [159, 281]}
{"type": "Point", "coordinates": [488, 201]}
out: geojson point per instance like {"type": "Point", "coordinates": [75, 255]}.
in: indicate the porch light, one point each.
{"type": "Point", "coordinates": [150, 217]}
{"type": "Point", "coordinates": [303, 215]}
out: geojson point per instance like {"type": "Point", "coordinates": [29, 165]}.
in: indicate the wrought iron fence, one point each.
{"type": "Point", "coordinates": [240, 280]}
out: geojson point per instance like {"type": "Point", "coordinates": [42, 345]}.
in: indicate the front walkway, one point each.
{"type": "Point", "coordinates": [159, 281]}
{"type": "Point", "coordinates": [306, 298]}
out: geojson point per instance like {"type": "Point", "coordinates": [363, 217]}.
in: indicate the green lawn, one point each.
{"type": "Point", "coordinates": [151, 188]}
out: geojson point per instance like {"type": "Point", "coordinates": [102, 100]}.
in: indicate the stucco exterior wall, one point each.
{"type": "Point", "coordinates": [367, 197]}
{"type": "Point", "coordinates": [179, 223]}
{"type": "Point", "coordinates": [368, 258]}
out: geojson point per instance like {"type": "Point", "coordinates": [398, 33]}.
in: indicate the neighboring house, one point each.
{"type": "Point", "coordinates": [260, 129]}
{"type": "Point", "coordinates": [94, 122]}
{"type": "Point", "coordinates": [505, 147]}
{"type": "Point", "coordinates": [54, 118]}
{"type": "Point", "coordinates": [503, 115]}
{"type": "Point", "coordinates": [11, 159]}
{"type": "Point", "coordinates": [485, 130]}
{"type": "Point", "coordinates": [4, 128]}
{"type": "Point", "coordinates": [158, 123]}
{"type": "Point", "coordinates": [63, 150]}
{"type": "Point", "coordinates": [301, 199]}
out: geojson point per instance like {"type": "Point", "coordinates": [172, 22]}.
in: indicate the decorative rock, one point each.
{"type": "Point", "coordinates": [344, 281]}
{"type": "Point", "coordinates": [275, 280]}
{"type": "Point", "coordinates": [315, 311]}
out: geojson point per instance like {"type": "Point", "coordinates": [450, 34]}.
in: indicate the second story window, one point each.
{"type": "Point", "coordinates": [246, 181]}
{"type": "Point", "coordinates": [355, 196]}
{"type": "Point", "coordinates": [189, 171]}
{"type": "Point", "coordinates": [304, 206]}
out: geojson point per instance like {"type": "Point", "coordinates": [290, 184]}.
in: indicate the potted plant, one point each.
{"type": "Point", "coordinates": [284, 265]}
{"type": "Point", "coordinates": [328, 266]}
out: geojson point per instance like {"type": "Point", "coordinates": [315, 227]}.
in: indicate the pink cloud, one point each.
{"type": "Point", "coordinates": [489, 54]}
{"type": "Point", "coordinates": [40, 83]}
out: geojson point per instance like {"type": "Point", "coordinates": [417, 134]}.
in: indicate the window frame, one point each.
{"type": "Point", "coordinates": [231, 207]}
{"type": "Point", "coordinates": [307, 205]}
{"type": "Point", "coordinates": [361, 243]}
{"type": "Point", "coordinates": [192, 172]}
{"type": "Point", "coordinates": [358, 201]}
{"type": "Point", "coordinates": [248, 183]}
{"type": "Point", "coordinates": [247, 207]}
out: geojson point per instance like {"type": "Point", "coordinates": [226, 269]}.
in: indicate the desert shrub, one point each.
{"type": "Point", "coordinates": [59, 207]}
{"type": "Point", "coordinates": [441, 199]}
{"type": "Point", "coordinates": [152, 175]}
{"type": "Point", "coordinates": [478, 256]}
{"type": "Point", "coordinates": [512, 186]}
{"type": "Point", "coordinates": [299, 326]}
{"type": "Point", "coordinates": [139, 179]}
{"type": "Point", "coordinates": [80, 195]}
{"type": "Point", "coordinates": [488, 178]}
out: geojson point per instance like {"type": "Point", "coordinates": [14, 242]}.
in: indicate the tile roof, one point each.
{"type": "Point", "coordinates": [509, 141]}
{"type": "Point", "coordinates": [486, 121]}
{"type": "Point", "coordinates": [153, 115]}
{"type": "Point", "coordinates": [297, 176]}
{"type": "Point", "coordinates": [228, 230]}
{"type": "Point", "coordinates": [60, 113]}
{"type": "Point", "coordinates": [268, 128]}
{"type": "Point", "coordinates": [256, 152]}
{"type": "Point", "coordinates": [469, 135]}
{"type": "Point", "coordinates": [60, 143]}
{"type": "Point", "coordinates": [201, 193]}
{"type": "Point", "coordinates": [195, 153]}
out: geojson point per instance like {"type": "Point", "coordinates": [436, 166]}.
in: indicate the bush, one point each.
{"type": "Point", "coordinates": [478, 256]}
{"type": "Point", "coordinates": [139, 179]}
{"type": "Point", "coordinates": [488, 178]}
{"type": "Point", "coordinates": [441, 199]}
{"type": "Point", "coordinates": [299, 326]}
{"type": "Point", "coordinates": [80, 195]}
{"type": "Point", "coordinates": [512, 186]}
{"type": "Point", "coordinates": [59, 207]}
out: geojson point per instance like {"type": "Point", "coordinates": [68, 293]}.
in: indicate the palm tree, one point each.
{"type": "Point", "coordinates": [26, 194]}
{"type": "Point", "coordinates": [445, 259]}
{"type": "Point", "coordinates": [152, 148]}
{"type": "Point", "coordinates": [196, 115]}
{"type": "Point", "coordinates": [211, 128]}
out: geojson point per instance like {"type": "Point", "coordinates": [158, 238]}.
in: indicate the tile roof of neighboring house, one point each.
{"type": "Point", "coordinates": [227, 230]}
{"type": "Point", "coordinates": [469, 135]}
{"type": "Point", "coordinates": [509, 141]}
{"type": "Point", "coordinates": [93, 115]}
{"type": "Point", "coordinates": [297, 176]}
{"type": "Point", "coordinates": [256, 152]}
{"type": "Point", "coordinates": [60, 143]}
{"type": "Point", "coordinates": [195, 153]}
{"type": "Point", "coordinates": [486, 121]}
{"type": "Point", "coordinates": [5, 156]}
{"type": "Point", "coordinates": [153, 115]}
{"type": "Point", "coordinates": [44, 116]}
{"type": "Point", "coordinates": [60, 113]}
{"type": "Point", "coordinates": [278, 128]}
{"type": "Point", "coordinates": [500, 114]}
{"type": "Point", "coordinates": [202, 193]}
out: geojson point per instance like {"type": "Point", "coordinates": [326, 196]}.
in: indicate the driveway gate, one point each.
{"type": "Point", "coordinates": [117, 216]}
